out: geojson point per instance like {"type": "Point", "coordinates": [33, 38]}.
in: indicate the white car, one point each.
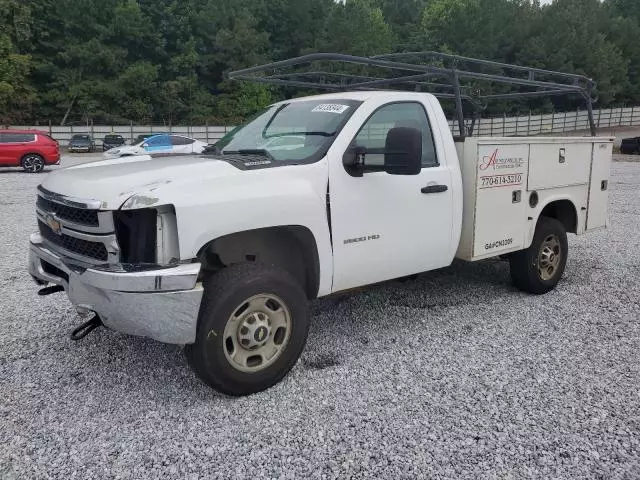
{"type": "Point", "coordinates": [158, 145]}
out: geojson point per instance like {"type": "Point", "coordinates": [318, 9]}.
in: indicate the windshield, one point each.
{"type": "Point", "coordinates": [113, 137]}
{"type": "Point", "coordinates": [296, 131]}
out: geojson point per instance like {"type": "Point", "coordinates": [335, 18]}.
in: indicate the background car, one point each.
{"type": "Point", "coordinates": [630, 146]}
{"type": "Point", "coordinates": [143, 137]}
{"type": "Point", "coordinates": [159, 145]}
{"type": "Point", "coordinates": [29, 149]}
{"type": "Point", "coordinates": [81, 142]}
{"type": "Point", "coordinates": [112, 141]}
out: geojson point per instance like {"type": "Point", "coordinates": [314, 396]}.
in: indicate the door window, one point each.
{"type": "Point", "coordinates": [158, 141]}
{"type": "Point", "coordinates": [17, 137]}
{"type": "Point", "coordinates": [373, 134]}
{"type": "Point", "coordinates": [179, 140]}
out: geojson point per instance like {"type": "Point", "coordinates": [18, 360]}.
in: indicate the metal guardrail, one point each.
{"type": "Point", "coordinates": [205, 133]}
{"type": "Point", "coordinates": [556, 122]}
{"type": "Point", "coordinates": [524, 125]}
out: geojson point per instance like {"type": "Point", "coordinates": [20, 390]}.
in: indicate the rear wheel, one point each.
{"type": "Point", "coordinates": [538, 268]}
{"type": "Point", "coordinates": [32, 163]}
{"type": "Point", "coordinates": [252, 328]}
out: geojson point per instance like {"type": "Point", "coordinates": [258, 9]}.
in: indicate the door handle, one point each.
{"type": "Point", "coordinates": [434, 189]}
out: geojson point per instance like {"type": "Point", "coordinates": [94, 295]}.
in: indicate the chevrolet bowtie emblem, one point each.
{"type": "Point", "coordinates": [54, 224]}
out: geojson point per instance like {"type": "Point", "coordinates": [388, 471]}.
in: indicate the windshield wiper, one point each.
{"type": "Point", "coordinates": [249, 151]}
{"type": "Point", "coordinates": [302, 134]}
{"type": "Point", "coordinates": [323, 134]}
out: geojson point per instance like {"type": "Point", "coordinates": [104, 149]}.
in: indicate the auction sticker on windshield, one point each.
{"type": "Point", "coordinates": [330, 108]}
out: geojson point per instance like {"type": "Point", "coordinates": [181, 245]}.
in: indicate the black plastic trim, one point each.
{"type": "Point", "coordinates": [136, 231]}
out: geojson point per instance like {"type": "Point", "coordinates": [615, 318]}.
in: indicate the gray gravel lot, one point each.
{"type": "Point", "coordinates": [455, 374]}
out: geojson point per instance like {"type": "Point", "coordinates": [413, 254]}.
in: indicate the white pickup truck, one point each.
{"type": "Point", "coordinates": [221, 252]}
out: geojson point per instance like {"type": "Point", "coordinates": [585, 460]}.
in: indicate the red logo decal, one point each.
{"type": "Point", "coordinates": [489, 161]}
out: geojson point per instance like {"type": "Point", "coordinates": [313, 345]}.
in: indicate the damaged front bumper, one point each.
{"type": "Point", "coordinates": [161, 303]}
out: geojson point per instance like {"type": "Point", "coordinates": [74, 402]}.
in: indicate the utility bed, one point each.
{"type": "Point", "coordinates": [507, 179]}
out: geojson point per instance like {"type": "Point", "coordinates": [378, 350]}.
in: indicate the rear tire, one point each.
{"type": "Point", "coordinates": [32, 163]}
{"type": "Point", "coordinates": [538, 269]}
{"type": "Point", "coordinates": [252, 328]}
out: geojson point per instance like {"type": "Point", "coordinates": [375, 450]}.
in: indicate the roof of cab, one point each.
{"type": "Point", "coordinates": [357, 95]}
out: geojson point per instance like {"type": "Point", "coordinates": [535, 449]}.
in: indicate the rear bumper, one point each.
{"type": "Point", "coordinates": [162, 304]}
{"type": "Point", "coordinates": [52, 159]}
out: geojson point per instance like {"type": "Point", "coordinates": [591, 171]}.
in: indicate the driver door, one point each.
{"type": "Point", "coordinates": [158, 145]}
{"type": "Point", "coordinates": [387, 226]}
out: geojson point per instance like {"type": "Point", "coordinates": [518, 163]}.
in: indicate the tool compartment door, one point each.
{"type": "Point", "coordinates": [599, 186]}
{"type": "Point", "coordinates": [559, 165]}
{"type": "Point", "coordinates": [500, 214]}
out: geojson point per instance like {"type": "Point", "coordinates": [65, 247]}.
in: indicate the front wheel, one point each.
{"type": "Point", "coordinates": [32, 163]}
{"type": "Point", "coordinates": [538, 268]}
{"type": "Point", "coordinates": [252, 328]}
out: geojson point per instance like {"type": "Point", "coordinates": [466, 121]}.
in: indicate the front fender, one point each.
{"type": "Point", "coordinates": [279, 196]}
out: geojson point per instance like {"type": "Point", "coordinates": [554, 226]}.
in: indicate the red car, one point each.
{"type": "Point", "coordinates": [29, 149]}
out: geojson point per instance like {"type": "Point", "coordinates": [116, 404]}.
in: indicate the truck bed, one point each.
{"type": "Point", "coordinates": [508, 181]}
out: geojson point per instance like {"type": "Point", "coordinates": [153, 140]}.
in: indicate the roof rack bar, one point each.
{"type": "Point", "coordinates": [512, 81]}
{"type": "Point", "coordinates": [390, 80]}
{"type": "Point", "coordinates": [489, 63]}
{"type": "Point", "coordinates": [537, 93]}
{"type": "Point", "coordinates": [455, 70]}
{"type": "Point", "coordinates": [456, 87]}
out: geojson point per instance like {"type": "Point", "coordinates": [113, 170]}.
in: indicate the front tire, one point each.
{"type": "Point", "coordinates": [32, 163]}
{"type": "Point", "coordinates": [538, 269]}
{"type": "Point", "coordinates": [252, 328]}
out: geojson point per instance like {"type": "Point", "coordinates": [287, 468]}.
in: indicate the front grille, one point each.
{"type": "Point", "coordinates": [80, 216]}
{"type": "Point", "coordinates": [78, 246]}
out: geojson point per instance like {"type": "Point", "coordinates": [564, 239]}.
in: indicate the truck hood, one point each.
{"type": "Point", "coordinates": [112, 182]}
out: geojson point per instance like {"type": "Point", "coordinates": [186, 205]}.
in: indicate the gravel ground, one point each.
{"type": "Point", "coordinates": [455, 374]}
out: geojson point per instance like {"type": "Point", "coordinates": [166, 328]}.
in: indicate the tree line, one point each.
{"type": "Point", "coordinates": [165, 61]}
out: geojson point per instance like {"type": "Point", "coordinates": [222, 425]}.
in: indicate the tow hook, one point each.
{"type": "Point", "coordinates": [86, 328]}
{"type": "Point", "coordinates": [49, 290]}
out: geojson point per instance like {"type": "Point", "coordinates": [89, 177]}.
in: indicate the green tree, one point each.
{"type": "Point", "coordinates": [623, 30]}
{"type": "Point", "coordinates": [356, 27]}
{"type": "Point", "coordinates": [168, 60]}
{"type": "Point", "coordinates": [16, 93]}
{"type": "Point", "coordinates": [569, 36]}
{"type": "Point", "coordinates": [293, 26]}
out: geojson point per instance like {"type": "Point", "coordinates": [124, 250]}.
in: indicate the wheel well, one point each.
{"type": "Point", "coordinates": [563, 211]}
{"type": "Point", "coordinates": [30, 153]}
{"type": "Point", "coordinates": [292, 247]}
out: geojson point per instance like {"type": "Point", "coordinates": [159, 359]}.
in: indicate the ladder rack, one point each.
{"type": "Point", "coordinates": [444, 75]}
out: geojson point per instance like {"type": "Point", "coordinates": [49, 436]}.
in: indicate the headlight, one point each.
{"type": "Point", "coordinates": [114, 152]}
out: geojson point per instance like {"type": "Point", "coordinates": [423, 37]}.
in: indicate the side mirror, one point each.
{"type": "Point", "coordinates": [403, 151]}
{"type": "Point", "coordinates": [354, 160]}
{"type": "Point", "coordinates": [145, 145]}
